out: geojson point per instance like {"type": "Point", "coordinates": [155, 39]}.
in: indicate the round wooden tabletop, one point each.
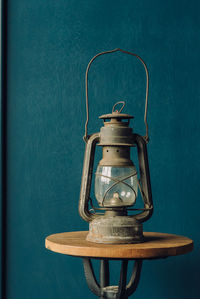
{"type": "Point", "coordinates": [155, 245]}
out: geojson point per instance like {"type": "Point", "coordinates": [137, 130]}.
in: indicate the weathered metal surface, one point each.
{"type": "Point", "coordinates": [87, 178]}
{"type": "Point", "coordinates": [111, 230]}
{"type": "Point", "coordinates": [144, 179]}
{"type": "Point", "coordinates": [116, 138]}
{"type": "Point", "coordinates": [116, 156]}
{"type": "Point", "coordinates": [115, 230]}
{"type": "Point", "coordinates": [116, 131]}
{"type": "Point", "coordinates": [115, 115]}
{"type": "Point", "coordinates": [103, 289]}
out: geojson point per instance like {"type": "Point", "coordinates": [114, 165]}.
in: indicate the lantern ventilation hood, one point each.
{"type": "Point", "coordinates": [116, 131]}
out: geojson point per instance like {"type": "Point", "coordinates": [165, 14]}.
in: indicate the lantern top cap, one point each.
{"type": "Point", "coordinates": [116, 114]}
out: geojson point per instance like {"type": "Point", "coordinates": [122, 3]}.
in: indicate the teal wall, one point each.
{"type": "Point", "coordinates": [49, 46]}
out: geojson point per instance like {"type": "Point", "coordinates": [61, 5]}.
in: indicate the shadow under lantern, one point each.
{"type": "Point", "coordinates": [116, 180]}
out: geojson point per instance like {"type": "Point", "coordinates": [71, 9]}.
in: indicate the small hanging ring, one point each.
{"type": "Point", "coordinates": [120, 102]}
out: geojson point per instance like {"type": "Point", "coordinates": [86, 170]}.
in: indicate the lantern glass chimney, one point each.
{"type": "Point", "coordinates": [116, 186]}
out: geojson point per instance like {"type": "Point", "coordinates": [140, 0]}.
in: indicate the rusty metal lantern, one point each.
{"type": "Point", "coordinates": [116, 180]}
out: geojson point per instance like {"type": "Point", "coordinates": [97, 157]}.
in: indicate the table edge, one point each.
{"type": "Point", "coordinates": [127, 253]}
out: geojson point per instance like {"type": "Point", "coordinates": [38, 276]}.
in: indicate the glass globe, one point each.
{"type": "Point", "coordinates": [116, 186]}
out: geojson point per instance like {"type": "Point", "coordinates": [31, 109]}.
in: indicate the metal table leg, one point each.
{"type": "Point", "coordinates": [104, 275]}
{"type": "Point", "coordinates": [102, 289]}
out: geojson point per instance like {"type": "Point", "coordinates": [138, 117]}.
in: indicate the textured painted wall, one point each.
{"type": "Point", "coordinates": [49, 46]}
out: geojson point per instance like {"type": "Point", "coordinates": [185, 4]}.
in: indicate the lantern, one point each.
{"type": "Point", "coordinates": [116, 180]}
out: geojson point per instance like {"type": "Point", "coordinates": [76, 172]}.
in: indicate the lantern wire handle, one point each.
{"type": "Point", "coordinates": [146, 137]}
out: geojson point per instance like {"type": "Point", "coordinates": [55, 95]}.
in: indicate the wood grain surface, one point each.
{"type": "Point", "coordinates": [155, 245]}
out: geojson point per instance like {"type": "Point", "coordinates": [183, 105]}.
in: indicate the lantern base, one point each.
{"type": "Point", "coordinates": [115, 230]}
